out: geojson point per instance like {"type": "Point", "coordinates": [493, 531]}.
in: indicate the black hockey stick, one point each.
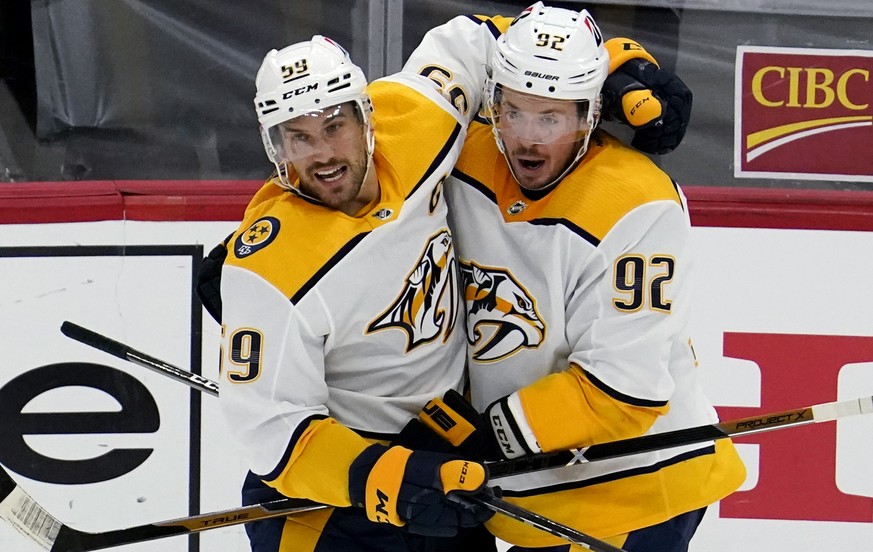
{"type": "Point", "coordinates": [75, 540]}
{"type": "Point", "coordinates": [18, 509]}
{"type": "Point", "coordinates": [602, 451]}
{"type": "Point", "coordinates": [21, 511]}
{"type": "Point", "coordinates": [122, 351]}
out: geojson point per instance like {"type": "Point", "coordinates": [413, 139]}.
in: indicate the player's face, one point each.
{"type": "Point", "coordinates": [328, 149]}
{"type": "Point", "coordinates": [540, 135]}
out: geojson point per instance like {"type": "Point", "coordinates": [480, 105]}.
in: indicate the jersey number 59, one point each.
{"type": "Point", "coordinates": [246, 348]}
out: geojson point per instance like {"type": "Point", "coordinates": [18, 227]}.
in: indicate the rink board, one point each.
{"type": "Point", "coordinates": [782, 320]}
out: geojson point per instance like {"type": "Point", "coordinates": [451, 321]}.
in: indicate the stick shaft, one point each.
{"type": "Point", "coordinates": [125, 352]}
{"type": "Point", "coordinates": [603, 451]}
{"type": "Point", "coordinates": [543, 523]}
{"type": "Point", "coordinates": [688, 436]}
{"type": "Point", "coordinates": [70, 540]}
{"type": "Point", "coordinates": [22, 512]}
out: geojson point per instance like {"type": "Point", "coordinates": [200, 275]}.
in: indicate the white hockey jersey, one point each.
{"type": "Point", "coordinates": [335, 322]}
{"type": "Point", "coordinates": [580, 300]}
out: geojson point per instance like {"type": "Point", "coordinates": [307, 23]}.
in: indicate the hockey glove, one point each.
{"type": "Point", "coordinates": [209, 279]}
{"type": "Point", "coordinates": [417, 490]}
{"type": "Point", "coordinates": [652, 101]}
{"type": "Point", "coordinates": [494, 435]}
{"type": "Point", "coordinates": [460, 425]}
{"type": "Point", "coordinates": [417, 436]}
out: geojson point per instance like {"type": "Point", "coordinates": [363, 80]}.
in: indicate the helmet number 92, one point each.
{"type": "Point", "coordinates": [555, 42]}
{"type": "Point", "coordinates": [299, 69]}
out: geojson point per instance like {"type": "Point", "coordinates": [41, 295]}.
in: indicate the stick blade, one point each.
{"type": "Point", "coordinates": [20, 511]}
{"type": "Point", "coordinates": [95, 340]}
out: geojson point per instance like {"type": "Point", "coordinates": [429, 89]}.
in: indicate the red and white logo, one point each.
{"type": "Point", "coordinates": [803, 114]}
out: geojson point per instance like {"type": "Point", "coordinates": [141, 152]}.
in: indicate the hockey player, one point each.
{"type": "Point", "coordinates": [315, 354]}
{"type": "Point", "coordinates": [341, 308]}
{"type": "Point", "coordinates": [576, 266]}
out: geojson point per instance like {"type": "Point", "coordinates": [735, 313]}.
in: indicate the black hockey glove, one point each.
{"type": "Point", "coordinates": [417, 490]}
{"type": "Point", "coordinates": [458, 423]}
{"type": "Point", "coordinates": [653, 101]}
{"type": "Point", "coordinates": [209, 279]}
{"type": "Point", "coordinates": [417, 436]}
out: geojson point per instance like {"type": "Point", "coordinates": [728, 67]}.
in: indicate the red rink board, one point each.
{"type": "Point", "coordinates": [225, 200]}
{"type": "Point", "coordinates": [147, 200]}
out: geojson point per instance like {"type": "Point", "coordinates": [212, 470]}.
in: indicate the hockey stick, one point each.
{"type": "Point", "coordinates": [122, 351]}
{"type": "Point", "coordinates": [602, 451]}
{"type": "Point", "coordinates": [239, 515]}
{"type": "Point", "coordinates": [33, 521]}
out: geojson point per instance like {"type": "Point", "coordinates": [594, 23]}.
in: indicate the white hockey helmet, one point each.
{"type": "Point", "coordinates": [306, 78]}
{"type": "Point", "coordinates": [554, 53]}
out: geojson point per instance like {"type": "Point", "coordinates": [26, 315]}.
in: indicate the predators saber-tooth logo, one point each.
{"type": "Point", "coordinates": [428, 303]}
{"type": "Point", "coordinates": [502, 317]}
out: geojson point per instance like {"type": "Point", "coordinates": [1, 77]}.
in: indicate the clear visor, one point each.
{"type": "Point", "coordinates": [330, 131]}
{"type": "Point", "coordinates": [536, 120]}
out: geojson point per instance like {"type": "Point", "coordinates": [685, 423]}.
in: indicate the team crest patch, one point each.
{"type": "Point", "coordinates": [517, 207]}
{"type": "Point", "coordinates": [258, 236]}
{"type": "Point", "coordinates": [383, 214]}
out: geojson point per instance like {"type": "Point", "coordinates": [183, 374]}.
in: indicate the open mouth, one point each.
{"type": "Point", "coordinates": [531, 164]}
{"type": "Point", "coordinates": [331, 175]}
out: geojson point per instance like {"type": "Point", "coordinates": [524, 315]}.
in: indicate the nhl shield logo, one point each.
{"type": "Point", "coordinates": [256, 237]}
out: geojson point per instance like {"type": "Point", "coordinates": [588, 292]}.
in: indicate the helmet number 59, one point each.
{"type": "Point", "coordinates": [299, 69]}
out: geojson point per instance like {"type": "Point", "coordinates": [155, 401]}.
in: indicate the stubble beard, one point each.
{"type": "Point", "coordinates": [336, 199]}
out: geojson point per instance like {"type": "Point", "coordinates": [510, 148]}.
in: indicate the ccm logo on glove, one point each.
{"type": "Point", "coordinates": [409, 489]}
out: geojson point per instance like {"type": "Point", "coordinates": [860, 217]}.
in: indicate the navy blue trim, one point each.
{"type": "Point", "coordinates": [390, 437]}
{"type": "Point", "coordinates": [495, 32]}
{"type": "Point", "coordinates": [337, 257]}
{"type": "Point", "coordinates": [488, 193]}
{"type": "Point", "coordinates": [678, 195]}
{"type": "Point", "coordinates": [480, 119]}
{"type": "Point", "coordinates": [441, 156]}
{"type": "Point", "coordinates": [673, 535]}
{"type": "Point", "coordinates": [473, 183]}
{"type": "Point", "coordinates": [347, 248]}
{"type": "Point", "coordinates": [627, 399]}
{"type": "Point", "coordinates": [578, 230]}
{"type": "Point", "coordinates": [615, 476]}
{"type": "Point", "coordinates": [286, 457]}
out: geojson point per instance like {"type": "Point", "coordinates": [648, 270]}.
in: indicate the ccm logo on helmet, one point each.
{"type": "Point", "coordinates": [299, 91]}
{"type": "Point", "coordinates": [536, 75]}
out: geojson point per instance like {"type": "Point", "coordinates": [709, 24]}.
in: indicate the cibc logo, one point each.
{"type": "Point", "coordinates": [803, 114]}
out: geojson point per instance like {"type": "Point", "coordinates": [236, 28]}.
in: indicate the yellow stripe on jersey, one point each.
{"type": "Point", "coordinates": [411, 130]}
{"type": "Point", "coordinates": [318, 468]}
{"type": "Point", "coordinates": [619, 506]}
{"type": "Point", "coordinates": [304, 237]}
{"type": "Point", "coordinates": [611, 181]}
{"type": "Point", "coordinates": [416, 135]}
{"type": "Point", "coordinates": [269, 192]}
{"type": "Point", "coordinates": [586, 416]}
{"type": "Point", "coordinates": [501, 22]}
